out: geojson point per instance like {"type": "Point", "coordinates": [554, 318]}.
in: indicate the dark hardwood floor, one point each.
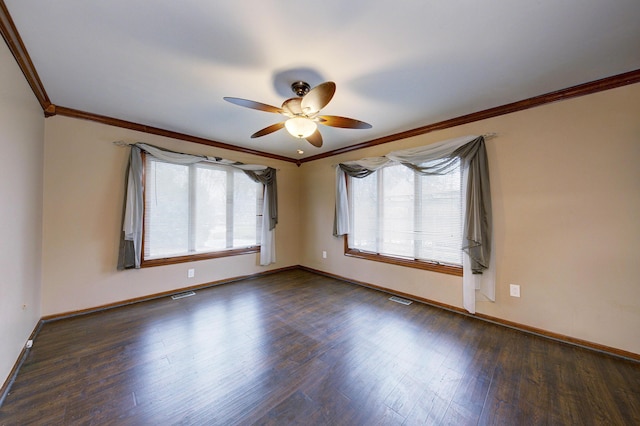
{"type": "Point", "coordinates": [299, 348]}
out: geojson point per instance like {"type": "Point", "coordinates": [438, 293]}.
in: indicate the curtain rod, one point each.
{"type": "Point", "coordinates": [486, 136]}
{"type": "Point", "coordinates": [490, 135]}
{"type": "Point", "coordinates": [123, 144]}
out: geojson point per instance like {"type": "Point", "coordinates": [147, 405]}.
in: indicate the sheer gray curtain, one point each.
{"type": "Point", "coordinates": [436, 159]}
{"type": "Point", "coordinates": [269, 213]}
{"type": "Point", "coordinates": [131, 237]}
{"type": "Point", "coordinates": [268, 179]}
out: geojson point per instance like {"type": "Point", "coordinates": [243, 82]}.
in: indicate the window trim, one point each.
{"type": "Point", "coordinates": [198, 256]}
{"type": "Point", "coordinates": [399, 261]}
{"type": "Point", "coordinates": [184, 258]}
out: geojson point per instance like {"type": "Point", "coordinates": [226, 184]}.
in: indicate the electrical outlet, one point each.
{"type": "Point", "coordinates": [324, 254]}
{"type": "Point", "coordinates": [191, 273]}
{"type": "Point", "coordinates": [514, 290]}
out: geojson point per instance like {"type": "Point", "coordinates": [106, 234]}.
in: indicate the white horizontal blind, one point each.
{"type": "Point", "coordinates": [198, 208]}
{"type": "Point", "coordinates": [166, 225]}
{"type": "Point", "coordinates": [396, 212]}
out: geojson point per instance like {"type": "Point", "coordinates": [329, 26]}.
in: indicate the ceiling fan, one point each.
{"type": "Point", "coordinates": [302, 112]}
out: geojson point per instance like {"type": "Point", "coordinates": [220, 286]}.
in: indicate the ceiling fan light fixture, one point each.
{"type": "Point", "coordinates": [300, 127]}
{"type": "Point", "coordinates": [302, 112]}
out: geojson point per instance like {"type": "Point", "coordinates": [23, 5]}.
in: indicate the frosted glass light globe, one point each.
{"type": "Point", "coordinates": [300, 127]}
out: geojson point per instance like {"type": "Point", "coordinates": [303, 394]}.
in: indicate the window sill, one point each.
{"type": "Point", "coordinates": [410, 263]}
{"type": "Point", "coordinates": [199, 256]}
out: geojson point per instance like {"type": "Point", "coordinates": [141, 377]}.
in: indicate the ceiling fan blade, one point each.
{"type": "Point", "coordinates": [267, 130]}
{"type": "Point", "coordinates": [318, 97]}
{"type": "Point", "coordinates": [315, 139]}
{"type": "Point", "coordinates": [344, 122]}
{"type": "Point", "coordinates": [253, 105]}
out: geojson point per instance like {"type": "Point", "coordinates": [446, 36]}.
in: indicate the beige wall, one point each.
{"type": "Point", "coordinates": [21, 137]}
{"type": "Point", "coordinates": [83, 196]}
{"type": "Point", "coordinates": [565, 179]}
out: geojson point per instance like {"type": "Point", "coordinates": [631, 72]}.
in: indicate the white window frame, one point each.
{"type": "Point", "coordinates": [414, 262]}
{"type": "Point", "coordinates": [192, 254]}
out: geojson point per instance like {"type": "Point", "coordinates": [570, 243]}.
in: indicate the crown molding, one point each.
{"type": "Point", "coordinates": [607, 83]}
{"type": "Point", "coordinates": [16, 46]}
{"type": "Point", "coordinates": [83, 115]}
{"type": "Point", "coordinates": [536, 101]}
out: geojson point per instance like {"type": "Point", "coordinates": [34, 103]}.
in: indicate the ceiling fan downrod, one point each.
{"type": "Point", "coordinates": [300, 88]}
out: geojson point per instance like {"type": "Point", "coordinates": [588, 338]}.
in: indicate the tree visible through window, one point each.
{"type": "Point", "coordinates": [199, 208]}
{"type": "Point", "coordinates": [398, 213]}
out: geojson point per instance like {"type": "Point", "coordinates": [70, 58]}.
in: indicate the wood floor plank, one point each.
{"type": "Point", "coordinates": [502, 403]}
{"type": "Point", "coordinates": [296, 347]}
{"type": "Point", "coordinates": [298, 409]}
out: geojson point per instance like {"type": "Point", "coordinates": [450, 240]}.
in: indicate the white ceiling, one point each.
{"type": "Point", "coordinates": [398, 65]}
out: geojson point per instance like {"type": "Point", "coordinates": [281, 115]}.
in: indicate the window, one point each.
{"type": "Point", "coordinates": [199, 210]}
{"type": "Point", "coordinates": [401, 217]}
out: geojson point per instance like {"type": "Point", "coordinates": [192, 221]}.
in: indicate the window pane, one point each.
{"type": "Point", "coordinates": [210, 209]}
{"type": "Point", "coordinates": [245, 211]}
{"type": "Point", "coordinates": [364, 222]}
{"type": "Point", "coordinates": [398, 208]}
{"type": "Point", "coordinates": [441, 231]}
{"type": "Point", "coordinates": [167, 197]}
